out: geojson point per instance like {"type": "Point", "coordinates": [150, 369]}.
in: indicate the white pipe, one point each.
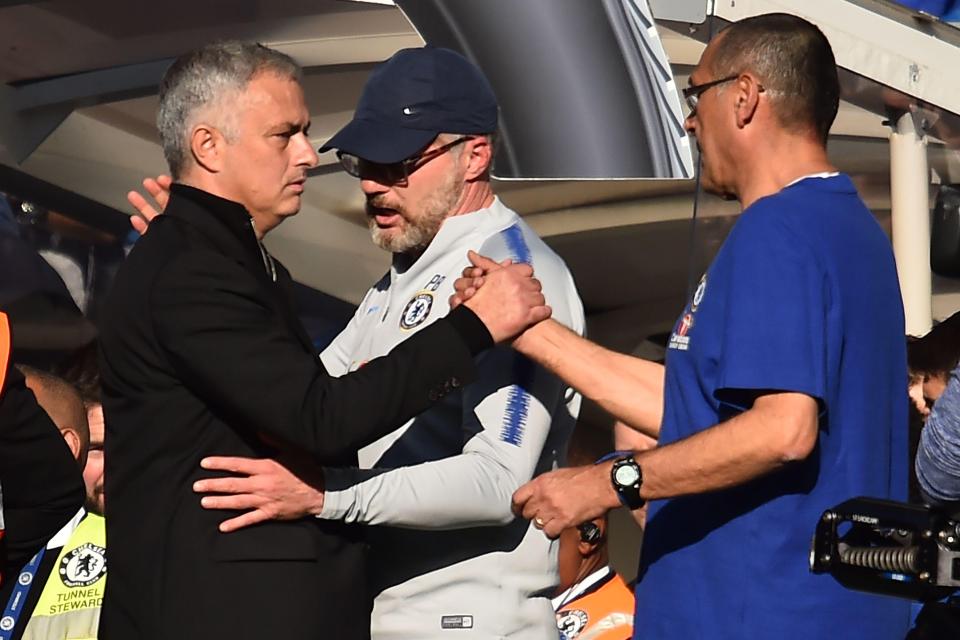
{"type": "Point", "coordinates": [909, 184]}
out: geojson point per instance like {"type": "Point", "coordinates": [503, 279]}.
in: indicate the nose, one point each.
{"type": "Point", "coordinates": [306, 155]}
{"type": "Point", "coordinates": [372, 187]}
{"type": "Point", "coordinates": [690, 123]}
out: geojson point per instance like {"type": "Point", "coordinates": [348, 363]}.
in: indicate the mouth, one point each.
{"type": "Point", "coordinates": [384, 217]}
{"type": "Point", "coordinates": [297, 185]}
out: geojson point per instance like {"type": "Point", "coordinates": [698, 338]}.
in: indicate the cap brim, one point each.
{"type": "Point", "coordinates": [379, 142]}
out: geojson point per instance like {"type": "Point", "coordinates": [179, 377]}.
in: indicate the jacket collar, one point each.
{"type": "Point", "coordinates": [229, 227]}
{"type": "Point", "coordinates": [589, 584]}
{"type": "Point", "coordinates": [221, 214]}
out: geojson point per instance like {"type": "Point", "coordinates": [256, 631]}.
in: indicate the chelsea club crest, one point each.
{"type": "Point", "coordinates": [83, 566]}
{"type": "Point", "coordinates": [571, 623]}
{"type": "Point", "coordinates": [416, 311]}
{"type": "Point", "coordinates": [698, 294]}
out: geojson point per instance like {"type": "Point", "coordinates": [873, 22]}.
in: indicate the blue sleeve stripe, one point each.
{"type": "Point", "coordinates": [518, 403]}
{"type": "Point", "coordinates": [517, 244]}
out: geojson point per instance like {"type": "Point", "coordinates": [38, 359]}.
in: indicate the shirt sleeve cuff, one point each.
{"type": "Point", "coordinates": [337, 504]}
{"type": "Point", "coordinates": [471, 329]}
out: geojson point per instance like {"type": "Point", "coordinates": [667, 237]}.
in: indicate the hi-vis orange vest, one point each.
{"type": "Point", "coordinates": [4, 364]}
{"type": "Point", "coordinates": [4, 349]}
{"type": "Point", "coordinates": [602, 613]}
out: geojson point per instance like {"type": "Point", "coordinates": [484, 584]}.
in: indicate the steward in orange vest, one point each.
{"type": "Point", "coordinates": [594, 602]}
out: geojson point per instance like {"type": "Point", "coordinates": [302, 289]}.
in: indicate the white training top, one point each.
{"type": "Point", "coordinates": [453, 561]}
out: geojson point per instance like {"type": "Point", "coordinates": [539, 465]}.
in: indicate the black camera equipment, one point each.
{"type": "Point", "coordinates": [893, 548]}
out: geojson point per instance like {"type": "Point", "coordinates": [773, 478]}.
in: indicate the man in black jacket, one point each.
{"type": "Point", "coordinates": [41, 483]}
{"type": "Point", "coordinates": [203, 354]}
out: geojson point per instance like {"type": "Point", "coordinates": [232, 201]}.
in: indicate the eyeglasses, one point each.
{"type": "Point", "coordinates": [394, 172]}
{"type": "Point", "coordinates": [692, 93]}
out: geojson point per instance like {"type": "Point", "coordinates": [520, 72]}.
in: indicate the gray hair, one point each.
{"type": "Point", "coordinates": [197, 84]}
{"type": "Point", "coordinates": [793, 60]}
{"type": "Point", "coordinates": [493, 139]}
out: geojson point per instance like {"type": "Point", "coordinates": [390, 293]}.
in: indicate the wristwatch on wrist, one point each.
{"type": "Point", "coordinates": [627, 478]}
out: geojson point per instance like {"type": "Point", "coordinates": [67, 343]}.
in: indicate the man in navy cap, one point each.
{"type": "Point", "coordinates": [451, 556]}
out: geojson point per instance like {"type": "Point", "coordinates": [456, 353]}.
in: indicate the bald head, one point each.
{"type": "Point", "coordinates": [63, 404]}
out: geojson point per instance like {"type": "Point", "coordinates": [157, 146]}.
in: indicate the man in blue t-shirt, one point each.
{"type": "Point", "coordinates": [784, 387]}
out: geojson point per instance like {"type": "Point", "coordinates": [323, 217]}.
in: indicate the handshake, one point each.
{"type": "Point", "coordinates": [505, 296]}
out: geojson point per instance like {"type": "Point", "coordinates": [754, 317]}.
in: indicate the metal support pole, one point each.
{"type": "Point", "coordinates": [909, 184]}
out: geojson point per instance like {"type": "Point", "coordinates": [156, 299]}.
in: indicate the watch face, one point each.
{"type": "Point", "coordinates": [627, 475]}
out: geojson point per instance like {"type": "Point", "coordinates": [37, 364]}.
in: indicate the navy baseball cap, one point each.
{"type": "Point", "coordinates": [410, 99]}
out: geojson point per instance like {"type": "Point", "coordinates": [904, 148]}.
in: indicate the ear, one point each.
{"type": "Point", "coordinates": [72, 439]}
{"type": "Point", "coordinates": [748, 90]}
{"type": "Point", "coordinates": [479, 156]}
{"type": "Point", "coordinates": [207, 145]}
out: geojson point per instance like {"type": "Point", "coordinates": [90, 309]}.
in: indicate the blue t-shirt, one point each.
{"type": "Point", "coordinates": [803, 296]}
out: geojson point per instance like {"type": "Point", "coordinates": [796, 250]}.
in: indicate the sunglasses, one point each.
{"type": "Point", "coordinates": [394, 172]}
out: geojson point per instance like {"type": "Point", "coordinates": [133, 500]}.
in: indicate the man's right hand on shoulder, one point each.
{"type": "Point", "coordinates": [510, 300]}
{"type": "Point", "coordinates": [159, 190]}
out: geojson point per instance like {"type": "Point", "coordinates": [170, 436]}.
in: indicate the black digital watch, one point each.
{"type": "Point", "coordinates": [627, 479]}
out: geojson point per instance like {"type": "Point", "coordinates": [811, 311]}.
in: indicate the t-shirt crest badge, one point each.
{"type": "Point", "coordinates": [416, 310]}
{"type": "Point", "coordinates": [698, 294]}
{"type": "Point", "coordinates": [571, 623]}
{"type": "Point", "coordinates": [83, 566]}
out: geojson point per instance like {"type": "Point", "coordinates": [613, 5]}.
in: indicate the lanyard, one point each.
{"type": "Point", "coordinates": [19, 596]}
